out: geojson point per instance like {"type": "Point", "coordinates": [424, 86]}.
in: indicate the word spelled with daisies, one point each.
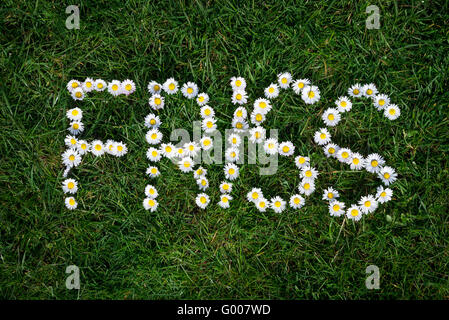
{"type": "Point", "coordinates": [185, 156]}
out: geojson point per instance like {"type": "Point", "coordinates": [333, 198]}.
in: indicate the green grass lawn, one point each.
{"type": "Point", "coordinates": [179, 251]}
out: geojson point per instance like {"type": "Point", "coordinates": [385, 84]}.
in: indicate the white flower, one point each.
{"type": "Point", "coordinates": [120, 149]}
{"type": "Point", "coordinates": [224, 201]}
{"type": "Point", "coordinates": [154, 88]}
{"type": "Point", "coordinates": [381, 101]}
{"type": "Point", "coordinates": [88, 85]}
{"type": "Point", "coordinates": [257, 117]}
{"type": "Point", "coordinates": [369, 91]}
{"type": "Point", "coordinates": [100, 85]}
{"type": "Point", "coordinates": [151, 192]}
{"type": "Point", "coordinates": [344, 155]}
{"type": "Point", "coordinates": [199, 173]}
{"type": "Point", "coordinates": [75, 114]}
{"type": "Point", "coordinates": [231, 171]}
{"type": "Point", "coordinates": [309, 173]}
{"type": "Point", "coordinates": [128, 87]}
{"type": "Point", "coordinates": [272, 91]}
{"type": "Point", "coordinates": [72, 85]}
{"type": "Point", "coordinates": [354, 213]}
{"type": "Point", "coordinates": [97, 148]}
{"type": "Point", "coordinates": [240, 112]}
{"type": "Point", "coordinates": [284, 80]}
{"type": "Point", "coordinates": [368, 204]}
{"type": "Point", "coordinates": [171, 86]}
{"type": "Point", "coordinates": [299, 85]}
{"type": "Point", "coordinates": [234, 139]}
{"type": "Point", "coordinates": [168, 150]}
{"type": "Point", "coordinates": [384, 194]}
{"type": "Point", "coordinates": [356, 90]}
{"type": "Point", "coordinates": [262, 204]}
{"type": "Point", "coordinates": [209, 125]}
{"type": "Point", "coordinates": [286, 148]}
{"type": "Point", "coordinates": [71, 203]}
{"type": "Point", "coordinates": [330, 194]}
{"type": "Point", "coordinates": [154, 154]}
{"type": "Point", "coordinates": [189, 90]}
{"type": "Point", "coordinates": [153, 171]}
{"type": "Point", "coordinates": [202, 99]}
{"type": "Point", "coordinates": [343, 104]}
{"type": "Point", "coordinates": [180, 152]}
{"type": "Point", "coordinates": [186, 164]}
{"type": "Point", "coordinates": [232, 154]}
{"type": "Point", "coordinates": [239, 97]}
{"type": "Point", "coordinates": [206, 143]}
{"type": "Point", "coordinates": [331, 117]}
{"type": "Point", "coordinates": [262, 105]}
{"type": "Point", "coordinates": [392, 112]}
{"type": "Point", "coordinates": [191, 149]}
{"type": "Point", "coordinates": [202, 200]}
{"type": "Point", "coordinates": [239, 124]}
{"type": "Point", "coordinates": [207, 111]}
{"type": "Point", "coordinates": [254, 195]}
{"type": "Point", "coordinates": [114, 87]}
{"type": "Point", "coordinates": [202, 183]}
{"type": "Point", "coordinates": [374, 162]}
{"type": "Point", "coordinates": [336, 208]}
{"type": "Point", "coordinates": [150, 204]}
{"type": "Point", "coordinates": [226, 187]}
{"type": "Point", "coordinates": [152, 121]}
{"type": "Point", "coordinates": [277, 204]}
{"type": "Point", "coordinates": [238, 83]}
{"type": "Point", "coordinates": [388, 175]}
{"type": "Point", "coordinates": [82, 147]}
{"type": "Point", "coordinates": [70, 186]}
{"type": "Point", "coordinates": [78, 94]}
{"type": "Point", "coordinates": [70, 141]}
{"type": "Point", "coordinates": [306, 187]}
{"type": "Point", "coordinates": [322, 137]}
{"type": "Point", "coordinates": [109, 147]}
{"type": "Point", "coordinates": [257, 134]}
{"type": "Point", "coordinates": [357, 162]}
{"type": "Point", "coordinates": [153, 136]}
{"type": "Point", "coordinates": [76, 127]}
{"type": "Point", "coordinates": [296, 201]}
{"type": "Point", "coordinates": [301, 162]}
{"type": "Point", "coordinates": [310, 94]}
{"type": "Point", "coordinates": [331, 150]}
{"type": "Point", "coordinates": [271, 146]}
{"type": "Point", "coordinates": [156, 101]}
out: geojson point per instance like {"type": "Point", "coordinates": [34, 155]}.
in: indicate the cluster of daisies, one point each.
{"type": "Point", "coordinates": [78, 89]}
{"type": "Point", "coordinates": [76, 148]}
{"type": "Point", "coordinates": [373, 163]}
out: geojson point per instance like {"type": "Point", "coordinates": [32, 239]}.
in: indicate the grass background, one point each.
{"type": "Point", "coordinates": [179, 251]}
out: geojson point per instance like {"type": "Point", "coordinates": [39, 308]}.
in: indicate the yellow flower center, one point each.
{"type": "Point", "coordinates": [367, 204]}
{"type": "Point", "coordinates": [369, 92]}
{"type": "Point", "coordinates": [152, 122]}
{"type": "Point", "coordinates": [238, 96]}
{"type": "Point", "coordinates": [171, 86]}
{"type": "Point", "coordinates": [302, 160]}
{"type": "Point", "coordinates": [72, 202]}
{"type": "Point", "coordinates": [151, 191]}
{"type": "Point", "coordinates": [207, 112]}
{"type": "Point", "coordinates": [262, 105]}
{"type": "Point", "coordinates": [168, 149]}
{"type": "Point", "coordinates": [120, 148]}
{"type": "Point", "coordinates": [277, 204]}
{"type": "Point", "coordinates": [239, 125]}
{"type": "Point", "coordinates": [99, 85]}
{"type": "Point", "coordinates": [284, 80]}
{"type": "Point", "coordinates": [156, 87]}
{"type": "Point", "coordinates": [224, 199]}
{"type": "Point", "coordinates": [323, 136]}
{"type": "Point", "coordinates": [354, 212]}
{"type": "Point", "coordinates": [345, 155]}
{"type": "Point", "coordinates": [231, 171]}
{"type": "Point", "coordinates": [187, 164]}
{"type": "Point", "coordinates": [381, 102]}
{"type": "Point", "coordinates": [70, 185]}
{"type": "Point", "coordinates": [239, 113]}
{"type": "Point", "coordinates": [73, 141]}
{"type": "Point", "coordinates": [75, 112]}
{"type": "Point", "coordinates": [392, 112]}
{"type": "Point", "coordinates": [336, 207]}
{"type": "Point", "coordinates": [203, 182]}
{"type": "Point", "coordinates": [331, 150]}
{"type": "Point", "coordinates": [296, 200]}
{"type": "Point", "coordinates": [301, 85]}
{"type": "Point", "coordinates": [209, 124]}
{"type": "Point", "coordinates": [72, 157]}
{"type": "Point", "coordinates": [330, 195]}
{"type": "Point", "coordinates": [311, 94]}
{"type": "Point", "coordinates": [114, 87]}
{"type": "Point", "coordinates": [255, 195]}
{"type": "Point", "coordinates": [98, 147]}
{"type": "Point", "coordinates": [157, 101]}
{"type": "Point", "coordinates": [74, 85]}
{"type": "Point", "coordinates": [238, 83]}
{"type": "Point", "coordinates": [153, 170]}
{"type": "Point", "coordinates": [356, 91]}
{"type": "Point", "coordinates": [206, 142]}
{"type": "Point", "coordinates": [151, 203]}
{"type": "Point", "coordinates": [307, 186]}
{"type": "Point", "coordinates": [83, 146]}
{"type": "Point", "coordinates": [128, 87]}
{"type": "Point", "coordinates": [331, 117]}
{"type": "Point", "coordinates": [189, 90]}
{"type": "Point", "coordinates": [383, 194]}
{"type": "Point", "coordinates": [154, 136]}
{"type": "Point", "coordinates": [78, 94]}
{"type": "Point", "coordinates": [203, 199]}
{"type": "Point", "coordinates": [154, 153]}
{"type": "Point", "coordinates": [200, 98]}
{"type": "Point", "coordinates": [257, 135]}
{"type": "Point", "coordinates": [355, 161]}
{"type": "Point", "coordinates": [262, 204]}
{"type": "Point", "coordinates": [76, 126]}
{"type": "Point", "coordinates": [286, 149]}
{"type": "Point", "coordinates": [308, 173]}
{"type": "Point", "coordinates": [374, 163]}
{"type": "Point", "coordinates": [225, 187]}
{"type": "Point", "coordinates": [343, 103]}
{"type": "Point", "coordinates": [258, 117]}
{"type": "Point", "coordinates": [386, 175]}
{"type": "Point", "coordinates": [271, 90]}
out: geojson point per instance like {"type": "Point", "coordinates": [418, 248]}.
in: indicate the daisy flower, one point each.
{"type": "Point", "coordinates": [309, 173]}
{"type": "Point", "coordinates": [70, 141]}
{"type": "Point", "coordinates": [357, 162]}
{"type": "Point", "coordinates": [271, 146]}
{"type": "Point", "coordinates": [381, 101]}
{"type": "Point", "coordinates": [238, 83]}
{"type": "Point", "coordinates": [199, 173]}
{"type": "Point", "coordinates": [88, 85]}
{"type": "Point", "coordinates": [154, 154]}
{"type": "Point", "coordinates": [72, 85]}
{"type": "Point", "coordinates": [392, 112]}
{"type": "Point", "coordinates": [356, 90]}
{"type": "Point", "coordinates": [226, 187]}
{"type": "Point", "coordinates": [286, 148]}
{"type": "Point", "coordinates": [120, 149]}
{"type": "Point", "coordinates": [100, 85]}
{"type": "Point", "coordinates": [301, 162]}
{"type": "Point", "coordinates": [202, 200]}
{"type": "Point", "coordinates": [109, 147]}
{"type": "Point", "coordinates": [330, 194]}
{"type": "Point", "coordinates": [284, 80]}
{"type": "Point", "coordinates": [168, 150]}
{"type": "Point", "coordinates": [191, 149]}
{"type": "Point", "coordinates": [354, 213]}
{"type": "Point", "coordinates": [272, 91]}
{"type": "Point", "coordinates": [240, 112]}
{"type": "Point", "coordinates": [189, 90]}
{"type": "Point", "coordinates": [344, 155]}
{"type": "Point", "coordinates": [202, 99]}
{"type": "Point", "coordinates": [369, 90]}
{"type": "Point", "coordinates": [180, 152]}
{"type": "Point", "coordinates": [374, 162]}
{"type": "Point", "coordinates": [322, 137]}
{"type": "Point", "coordinates": [257, 134]}
{"type": "Point", "coordinates": [128, 87]}
{"type": "Point", "coordinates": [150, 204]}
{"type": "Point", "coordinates": [331, 150]}
{"type": "Point", "coordinates": [209, 124]}
{"type": "Point", "coordinates": [153, 136]}
{"type": "Point", "coordinates": [310, 94]}
{"type": "Point", "coordinates": [156, 101]}
{"type": "Point", "coordinates": [202, 183]}
{"type": "Point", "coordinates": [75, 114]}
{"type": "Point", "coordinates": [239, 97]}
{"type": "Point", "coordinates": [76, 127]}
{"type": "Point", "coordinates": [336, 208]}
{"type": "Point", "coordinates": [257, 117]}
{"type": "Point", "coordinates": [152, 121]}
{"type": "Point", "coordinates": [70, 186]}
{"type": "Point", "coordinates": [277, 204]}
{"type": "Point", "coordinates": [232, 154]}
{"type": "Point", "coordinates": [234, 140]}
{"type": "Point", "coordinates": [388, 175]}
{"type": "Point", "coordinates": [331, 117]}
{"type": "Point", "coordinates": [171, 86]}
{"type": "Point", "coordinates": [306, 187]}
{"type": "Point", "coordinates": [206, 143]}
{"type": "Point", "coordinates": [151, 191]}
{"type": "Point", "coordinates": [343, 104]}
{"type": "Point", "coordinates": [153, 171]}
{"type": "Point", "coordinates": [186, 164]}
{"type": "Point", "coordinates": [368, 204]}
{"type": "Point", "coordinates": [114, 87]}
{"type": "Point", "coordinates": [154, 88]}
{"type": "Point", "coordinates": [82, 147]}
{"type": "Point", "coordinates": [262, 105]}
{"type": "Point", "coordinates": [239, 124]}
{"type": "Point", "coordinates": [231, 171]}
{"type": "Point", "coordinates": [297, 201]}
{"type": "Point", "coordinates": [254, 195]}
{"type": "Point", "coordinates": [262, 204]}
{"type": "Point", "coordinates": [78, 94]}
{"type": "Point", "coordinates": [299, 85]}
{"type": "Point", "coordinates": [97, 148]}
{"type": "Point", "coordinates": [207, 111]}
{"type": "Point", "coordinates": [224, 201]}
{"type": "Point", "coordinates": [384, 194]}
{"type": "Point", "coordinates": [71, 203]}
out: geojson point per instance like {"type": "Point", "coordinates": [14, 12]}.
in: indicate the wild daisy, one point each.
{"type": "Point", "coordinates": [76, 127]}
{"type": "Point", "coordinates": [262, 204]}
{"type": "Point", "coordinates": [70, 141]}
{"type": "Point", "coordinates": [152, 121]}
{"type": "Point", "coordinates": [238, 83]}
{"type": "Point", "coordinates": [202, 99]}
{"type": "Point", "coordinates": [206, 143]}
{"type": "Point", "coordinates": [109, 147]}
{"type": "Point", "coordinates": [239, 97]}
{"type": "Point", "coordinates": [202, 200]}
{"type": "Point", "coordinates": [186, 164]}
{"type": "Point", "coordinates": [189, 90]}
{"type": "Point", "coordinates": [202, 183]}
{"type": "Point", "coordinates": [180, 152]}
{"type": "Point", "coordinates": [191, 148]}
{"type": "Point", "coordinates": [322, 137]}
{"type": "Point", "coordinates": [70, 186]}
{"type": "Point", "coordinates": [254, 195]}
{"type": "Point", "coordinates": [369, 90]}
{"type": "Point", "coordinates": [310, 94]}
{"type": "Point", "coordinates": [78, 94]}
{"type": "Point", "coordinates": [154, 154]}
{"type": "Point", "coordinates": [336, 208]}
{"type": "Point", "coordinates": [199, 173]}
{"type": "Point", "coordinates": [286, 149]}
{"type": "Point", "coordinates": [156, 101]}
{"type": "Point", "coordinates": [277, 204]}
{"type": "Point", "coordinates": [368, 204]}
{"type": "Point", "coordinates": [381, 101]}
{"type": "Point", "coordinates": [151, 192]}
{"type": "Point", "coordinates": [171, 86]}
{"type": "Point", "coordinates": [331, 117]}
{"type": "Point", "coordinates": [331, 150]}
{"type": "Point", "coordinates": [82, 147]}
{"type": "Point", "coordinates": [120, 149]}
{"type": "Point", "coordinates": [257, 117]}
{"type": "Point", "coordinates": [226, 187]}
{"type": "Point", "coordinates": [257, 134]}
{"type": "Point", "coordinates": [114, 87]}
{"type": "Point", "coordinates": [272, 91]}
{"type": "Point", "coordinates": [100, 85]}
{"type": "Point", "coordinates": [168, 150]}
{"type": "Point", "coordinates": [301, 162]}
{"type": "Point", "coordinates": [209, 124]}
{"type": "Point", "coordinates": [330, 194]}
{"type": "Point", "coordinates": [224, 201]}
{"type": "Point", "coordinates": [72, 85]}
{"type": "Point", "coordinates": [343, 104]}
{"type": "Point", "coordinates": [234, 140]}
{"type": "Point", "coordinates": [297, 201]}
{"type": "Point", "coordinates": [75, 114]}
{"type": "Point", "coordinates": [262, 105]}
{"type": "Point", "coordinates": [271, 146]}
{"type": "Point", "coordinates": [284, 80]}
{"type": "Point", "coordinates": [355, 91]}
{"type": "Point", "coordinates": [384, 194]}
{"type": "Point", "coordinates": [299, 85]}
{"type": "Point", "coordinates": [306, 187]}
{"type": "Point", "coordinates": [154, 88]}
{"type": "Point", "coordinates": [232, 154]}
{"type": "Point", "coordinates": [71, 203]}
{"type": "Point", "coordinates": [374, 162]}
{"type": "Point", "coordinates": [309, 173]}
{"type": "Point", "coordinates": [357, 162]}
{"type": "Point", "coordinates": [354, 213]}
{"type": "Point", "coordinates": [150, 204]}
{"type": "Point", "coordinates": [153, 171]}
{"type": "Point", "coordinates": [240, 112]}
{"type": "Point", "coordinates": [97, 148]}
{"type": "Point", "coordinates": [239, 124]}
{"type": "Point", "coordinates": [128, 87]}
{"type": "Point", "coordinates": [231, 171]}
{"type": "Point", "coordinates": [153, 136]}
{"type": "Point", "coordinates": [388, 175]}
{"type": "Point", "coordinates": [206, 112]}
{"type": "Point", "coordinates": [344, 155]}
{"type": "Point", "coordinates": [392, 112]}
